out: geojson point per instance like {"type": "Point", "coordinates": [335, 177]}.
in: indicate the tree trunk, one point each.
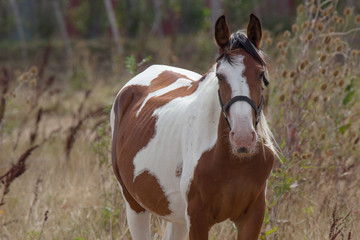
{"type": "Point", "coordinates": [61, 23]}
{"type": "Point", "coordinates": [216, 11]}
{"type": "Point", "coordinates": [114, 26]}
{"type": "Point", "coordinates": [157, 26]}
{"type": "Point", "coordinates": [19, 28]}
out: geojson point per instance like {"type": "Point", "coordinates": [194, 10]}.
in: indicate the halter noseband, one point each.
{"type": "Point", "coordinates": [257, 109]}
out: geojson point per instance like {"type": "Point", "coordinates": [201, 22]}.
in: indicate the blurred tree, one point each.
{"type": "Point", "coordinates": [114, 26]}
{"type": "Point", "coordinates": [44, 21]}
{"type": "Point", "coordinates": [216, 11]}
{"type": "Point", "coordinates": [191, 15]}
{"type": "Point", "coordinates": [61, 24]}
{"type": "Point", "coordinates": [157, 27]}
{"type": "Point", "coordinates": [19, 27]}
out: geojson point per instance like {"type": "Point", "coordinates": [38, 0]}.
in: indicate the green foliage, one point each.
{"type": "Point", "coordinates": [131, 65]}
{"type": "Point", "coordinates": [33, 235]}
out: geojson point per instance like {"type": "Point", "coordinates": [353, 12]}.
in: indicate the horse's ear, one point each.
{"type": "Point", "coordinates": [222, 33]}
{"type": "Point", "coordinates": [254, 31]}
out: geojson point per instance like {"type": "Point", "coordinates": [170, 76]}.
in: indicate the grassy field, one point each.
{"type": "Point", "coordinates": [55, 123]}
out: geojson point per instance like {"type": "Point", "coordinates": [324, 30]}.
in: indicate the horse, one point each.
{"type": "Point", "coordinates": [196, 150]}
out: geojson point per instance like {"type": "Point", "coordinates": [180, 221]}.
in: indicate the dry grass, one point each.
{"type": "Point", "coordinates": [68, 190]}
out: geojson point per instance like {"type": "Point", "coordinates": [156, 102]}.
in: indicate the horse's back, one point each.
{"type": "Point", "coordinates": [146, 158]}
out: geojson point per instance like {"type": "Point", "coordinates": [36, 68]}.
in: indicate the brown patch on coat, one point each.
{"type": "Point", "coordinates": [134, 133]}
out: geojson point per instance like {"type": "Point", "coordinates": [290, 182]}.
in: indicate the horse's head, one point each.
{"type": "Point", "coordinates": [240, 71]}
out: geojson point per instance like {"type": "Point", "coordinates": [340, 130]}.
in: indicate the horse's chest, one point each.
{"type": "Point", "coordinates": [226, 192]}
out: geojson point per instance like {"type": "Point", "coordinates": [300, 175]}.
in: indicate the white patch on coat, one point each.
{"type": "Point", "coordinates": [181, 82]}
{"type": "Point", "coordinates": [144, 79]}
{"type": "Point", "coordinates": [186, 127]}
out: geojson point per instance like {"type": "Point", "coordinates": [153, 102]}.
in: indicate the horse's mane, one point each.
{"type": "Point", "coordinates": [239, 40]}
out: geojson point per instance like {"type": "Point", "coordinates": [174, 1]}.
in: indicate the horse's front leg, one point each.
{"type": "Point", "coordinates": [199, 221]}
{"type": "Point", "coordinates": [249, 224]}
{"type": "Point", "coordinates": [199, 227]}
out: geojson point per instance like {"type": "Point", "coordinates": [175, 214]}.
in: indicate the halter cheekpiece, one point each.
{"type": "Point", "coordinates": [250, 48]}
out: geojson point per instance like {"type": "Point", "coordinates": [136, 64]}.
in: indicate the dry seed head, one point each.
{"type": "Point", "coordinates": [34, 70]}
{"type": "Point", "coordinates": [336, 73]}
{"type": "Point", "coordinates": [331, 29]}
{"type": "Point", "coordinates": [323, 136]}
{"type": "Point", "coordinates": [33, 82]}
{"type": "Point", "coordinates": [353, 52]}
{"type": "Point", "coordinates": [357, 19]}
{"type": "Point", "coordinates": [358, 53]}
{"type": "Point", "coordinates": [268, 41]}
{"type": "Point", "coordinates": [279, 45]}
{"type": "Point", "coordinates": [323, 57]}
{"type": "Point", "coordinates": [336, 40]}
{"type": "Point", "coordinates": [302, 66]}
{"type": "Point", "coordinates": [26, 76]}
{"type": "Point", "coordinates": [325, 98]}
{"type": "Point", "coordinates": [282, 97]}
{"type": "Point", "coordinates": [341, 20]}
{"type": "Point", "coordinates": [324, 86]}
{"type": "Point", "coordinates": [266, 34]}
{"type": "Point", "coordinates": [292, 74]}
{"type": "Point", "coordinates": [341, 82]}
{"type": "Point", "coordinates": [312, 9]}
{"type": "Point", "coordinates": [330, 9]}
{"type": "Point", "coordinates": [328, 49]}
{"type": "Point", "coordinates": [300, 8]}
{"type": "Point", "coordinates": [283, 52]}
{"type": "Point", "coordinates": [339, 48]}
{"type": "Point", "coordinates": [22, 78]}
{"type": "Point", "coordinates": [335, 19]}
{"type": "Point", "coordinates": [284, 73]}
{"type": "Point", "coordinates": [327, 40]}
{"type": "Point", "coordinates": [286, 34]}
{"type": "Point", "coordinates": [303, 156]}
{"type": "Point", "coordinates": [325, 13]}
{"type": "Point", "coordinates": [319, 46]}
{"type": "Point", "coordinates": [309, 155]}
{"type": "Point", "coordinates": [296, 154]}
{"type": "Point", "coordinates": [323, 71]}
{"type": "Point", "coordinates": [347, 11]}
{"type": "Point", "coordinates": [316, 98]}
{"type": "Point", "coordinates": [309, 36]}
{"type": "Point", "coordinates": [316, 79]}
{"type": "Point", "coordinates": [319, 26]}
{"type": "Point", "coordinates": [304, 25]}
{"type": "Point", "coordinates": [295, 28]}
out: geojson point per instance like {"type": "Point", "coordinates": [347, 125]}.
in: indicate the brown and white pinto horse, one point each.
{"type": "Point", "coordinates": [183, 155]}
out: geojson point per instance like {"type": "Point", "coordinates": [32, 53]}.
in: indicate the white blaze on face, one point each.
{"type": "Point", "coordinates": [240, 113]}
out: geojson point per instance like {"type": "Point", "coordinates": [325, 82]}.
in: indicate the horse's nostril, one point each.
{"type": "Point", "coordinates": [243, 150]}
{"type": "Point", "coordinates": [232, 133]}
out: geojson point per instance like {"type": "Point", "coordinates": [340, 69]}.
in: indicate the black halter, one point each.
{"type": "Point", "coordinates": [257, 109]}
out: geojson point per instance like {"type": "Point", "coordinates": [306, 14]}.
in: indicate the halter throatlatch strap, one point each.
{"type": "Point", "coordinates": [257, 109]}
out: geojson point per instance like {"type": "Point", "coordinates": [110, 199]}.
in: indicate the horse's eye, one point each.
{"type": "Point", "coordinates": [262, 75]}
{"type": "Point", "coordinates": [219, 76]}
